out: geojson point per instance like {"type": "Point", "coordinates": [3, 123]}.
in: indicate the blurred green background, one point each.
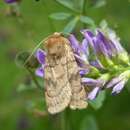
{"type": "Point", "coordinates": [21, 110]}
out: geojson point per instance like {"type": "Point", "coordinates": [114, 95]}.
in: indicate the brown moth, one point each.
{"type": "Point", "coordinates": [63, 86]}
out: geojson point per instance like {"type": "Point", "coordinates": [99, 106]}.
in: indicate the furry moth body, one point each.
{"type": "Point", "coordinates": [63, 86]}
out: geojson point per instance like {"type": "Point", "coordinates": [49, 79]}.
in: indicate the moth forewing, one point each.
{"type": "Point", "coordinates": [62, 80]}
{"type": "Point", "coordinates": [58, 90]}
{"type": "Point", "coordinates": [78, 99]}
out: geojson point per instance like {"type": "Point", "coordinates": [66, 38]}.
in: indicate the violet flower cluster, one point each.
{"type": "Point", "coordinates": [10, 1]}
{"type": "Point", "coordinates": [103, 62]}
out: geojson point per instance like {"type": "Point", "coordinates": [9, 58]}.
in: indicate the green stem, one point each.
{"type": "Point", "coordinates": [62, 120]}
{"type": "Point", "coordinates": [34, 79]}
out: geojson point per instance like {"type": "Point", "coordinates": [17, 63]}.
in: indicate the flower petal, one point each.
{"type": "Point", "coordinates": [78, 57]}
{"type": "Point", "coordinates": [88, 36]}
{"type": "Point", "coordinates": [40, 72]}
{"type": "Point", "coordinates": [40, 54]}
{"type": "Point", "coordinates": [85, 47]}
{"type": "Point", "coordinates": [97, 64]}
{"type": "Point", "coordinates": [92, 95]}
{"type": "Point", "coordinates": [83, 72]}
{"type": "Point", "coordinates": [89, 81]}
{"type": "Point", "coordinates": [74, 43]}
{"type": "Point", "coordinates": [118, 87]}
{"type": "Point", "coordinates": [114, 81]}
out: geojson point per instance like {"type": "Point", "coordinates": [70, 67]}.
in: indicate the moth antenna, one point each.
{"type": "Point", "coordinates": [33, 51]}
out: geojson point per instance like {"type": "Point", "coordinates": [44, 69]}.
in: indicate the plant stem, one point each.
{"type": "Point", "coordinates": [34, 79]}
{"type": "Point", "coordinates": [62, 120]}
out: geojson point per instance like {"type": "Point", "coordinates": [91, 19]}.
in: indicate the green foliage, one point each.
{"type": "Point", "coordinates": [89, 123]}
{"type": "Point", "coordinates": [71, 25]}
{"type": "Point", "coordinates": [60, 16]}
{"type": "Point", "coordinates": [87, 20]}
{"type": "Point", "coordinates": [98, 102]}
{"type": "Point", "coordinates": [100, 3]}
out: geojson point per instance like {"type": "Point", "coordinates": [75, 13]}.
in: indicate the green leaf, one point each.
{"type": "Point", "coordinates": [89, 123]}
{"type": "Point", "coordinates": [87, 20]}
{"type": "Point", "coordinates": [100, 3]}
{"type": "Point", "coordinates": [103, 24]}
{"type": "Point", "coordinates": [23, 87]}
{"type": "Point", "coordinates": [78, 4]}
{"type": "Point", "coordinates": [67, 3]}
{"type": "Point", "coordinates": [71, 25]}
{"type": "Point", "coordinates": [60, 16]}
{"type": "Point", "coordinates": [74, 5]}
{"type": "Point", "coordinates": [81, 4]}
{"type": "Point", "coordinates": [98, 102]}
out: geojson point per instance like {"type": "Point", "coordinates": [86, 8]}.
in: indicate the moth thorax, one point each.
{"type": "Point", "coordinates": [55, 45]}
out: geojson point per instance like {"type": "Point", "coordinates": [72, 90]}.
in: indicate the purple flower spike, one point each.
{"type": "Point", "coordinates": [40, 72]}
{"type": "Point", "coordinates": [40, 54]}
{"type": "Point", "coordinates": [92, 95]}
{"type": "Point", "coordinates": [118, 87]}
{"type": "Point", "coordinates": [10, 1]}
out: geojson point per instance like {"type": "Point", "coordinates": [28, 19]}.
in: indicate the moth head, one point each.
{"type": "Point", "coordinates": [55, 45]}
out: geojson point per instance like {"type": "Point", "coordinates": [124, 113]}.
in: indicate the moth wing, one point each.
{"type": "Point", "coordinates": [78, 99]}
{"type": "Point", "coordinates": [58, 91]}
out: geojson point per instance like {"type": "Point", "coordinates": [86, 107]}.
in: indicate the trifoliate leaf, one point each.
{"type": "Point", "coordinates": [60, 16]}
{"type": "Point", "coordinates": [71, 25]}
{"type": "Point", "coordinates": [87, 20]}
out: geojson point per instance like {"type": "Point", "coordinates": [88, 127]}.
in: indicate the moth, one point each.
{"type": "Point", "coordinates": [63, 86]}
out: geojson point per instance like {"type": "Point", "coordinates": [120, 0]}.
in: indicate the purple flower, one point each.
{"type": "Point", "coordinates": [74, 44]}
{"type": "Point", "coordinates": [88, 35]}
{"type": "Point", "coordinates": [83, 72]}
{"type": "Point", "coordinates": [40, 55]}
{"type": "Point", "coordinates": [97, 84]}
{"type": "Point", "coordinates": [89, 81]}
{"type": "Point", "coordinates": [97, 64]}
{"type": "Point", "coordinates": [40, 71]}
{"type": "Point", "coordinates": [118, 82]}
{"type": "Point", "coordinates": [81, 51]}
{"type": "Point", "coordinates": [85, 47]}
{"type": "Point", "coordinates": [10, 1]}
{"type": "Point", "coordinates": [108, 47]}
{"type": "Point", "coordinates": [97, 42]}
{"type": "Point", "coordinates": [118, 87]}
{"type": "Point", "coordinates": [92, 95]}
